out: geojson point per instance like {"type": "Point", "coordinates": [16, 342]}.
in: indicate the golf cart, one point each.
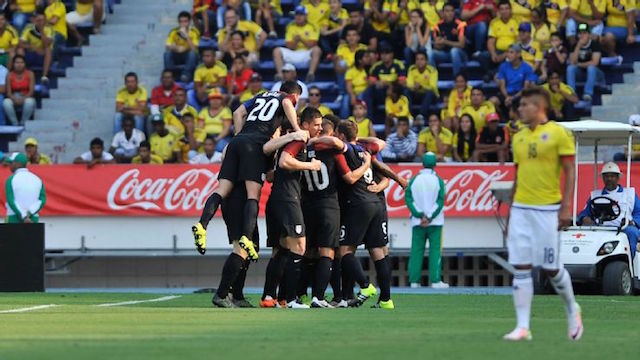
{"type": "Point", "coordinates": [601, 254]}
{"type": "Point", "coordinates": [597, 255]}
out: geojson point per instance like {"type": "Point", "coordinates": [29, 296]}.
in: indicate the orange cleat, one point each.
{"type": "Point", "coordinates": [268, 302]}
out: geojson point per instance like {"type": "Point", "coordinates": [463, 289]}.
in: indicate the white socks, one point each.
{"type": "Point", "coordinates": [562, 284]}
{"type": "Point", "coordinates": [522, 296]}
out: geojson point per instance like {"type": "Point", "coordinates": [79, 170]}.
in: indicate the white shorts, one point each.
{"type": "Point", "coordinates": [533, 237]}
{"type": "Point", "coordinates": [74, 18]}
{"type": "Point", "coordinates": [299, 58]}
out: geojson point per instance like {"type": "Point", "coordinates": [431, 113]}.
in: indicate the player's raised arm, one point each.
{"type": "Point", "coordinates": [374, 145]}
{"type": "Point", "coordinates": [387, 172]}
{"type": "Point", "coordinates": [290, 112]}
{"type": "Point", "coordinates": [349, 176]}
{"type": "Point", "coordinates": [239, 117]}
{"type": "Point", "coordinates": [277, 142]}
{"type": "Point", "coordinates": [289, 162]}
{"type": "Point", "coordinates": [328, 142]}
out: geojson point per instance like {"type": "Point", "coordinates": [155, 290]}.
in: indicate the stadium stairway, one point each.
{"type": "Point", "coordinates": [624, 100]}
{"type": "Point", "coordinates": [83, 104]}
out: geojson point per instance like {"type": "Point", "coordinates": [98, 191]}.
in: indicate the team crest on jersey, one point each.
{"type": "Point", "coordinates": [544, 137]}
{"type": "Point", "coordinates": [298, 229]}
{"type": "Point", "coordinates": [311, 153]}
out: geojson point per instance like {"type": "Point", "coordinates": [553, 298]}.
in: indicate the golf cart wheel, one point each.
{"type": "Point", "coordinates": [616, 279]}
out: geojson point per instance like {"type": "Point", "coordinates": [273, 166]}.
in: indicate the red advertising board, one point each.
{"type": "Point", "coordinates": [182, 190]}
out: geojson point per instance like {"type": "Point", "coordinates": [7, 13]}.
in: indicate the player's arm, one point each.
{"type": "Point", "coordinates": [564, 216]}
{"type": "Point", "coordinates": [289, 162]}
{"type": "Point", "coordinates": [387, 172]}
{"type": "Point", "coordinates": [352, 176]}
{"type": "Point", "coordinates": [373, 143]}
{"type": "Point", "coordinates": [327, 142]}
{"type": "Point", "coordinates": [239, 117]}
{"type": "Point", "coordinates": [277, 142]}
{"type": "Point", "coordinates": [380, 185]}
{"type": "Point", "coordinates": [290, 112]}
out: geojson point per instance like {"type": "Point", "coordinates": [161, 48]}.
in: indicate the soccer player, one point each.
{"type": "Point", "coordinates": [542, 150]}
{"type": "Point", "coordinates": [362, 222]}
{"type": "Point", "coordinates": [254, 122]}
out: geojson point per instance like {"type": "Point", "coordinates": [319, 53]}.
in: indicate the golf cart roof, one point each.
{"type": "Point", "coordinates": [588, 132]}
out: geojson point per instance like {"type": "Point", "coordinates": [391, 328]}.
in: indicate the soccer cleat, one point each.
{"type": "Point", "coordinates": [222, 303]}
{"type": "Point", "coordinates": [353, 303]}
{"type": "Point", "coordinates": [384, 305]}
{"type": "Point", "coordinates": [518, 334]}
{"type": "Point", "coordinates": [305, 299]}
{"type": "Point", "coordinates": [242, 303]}
{"type": "Point", "coordinates": [575, 324]}
{"type": "Point", "coordinates": [440, 285]}
{"type": "Point", "coordinates": [339, 304]}
{"type": "Point", "coordinates": [200, 237]}
{"type": "Point", "coordinates": [296, 305]}
{"type": "Point", "coordinates": [366, 293]}
{"type": "Point", "coordinates": [282, 304]}
{"type": "Point", "coordinates": [320, 304]}
{"type": "Point", "coordinates": [268, 302]}
{"type": "Point", "coordinates": [247, 245]}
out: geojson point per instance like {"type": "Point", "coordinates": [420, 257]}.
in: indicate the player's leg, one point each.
{"type": "Point", "coordinates": [322, 276]}
{"type": "Point", "coordinates": [250, 217]}
{"type": "Point", "coordinates": [418, 241]}
{"type": "Point", "coordinates": [237, 288]}
{"type": "Point", "coordinates": [381, 263]}
{"type": "Point", "coordinates": [520, 253]}
{"type": "Point", "coordinates": [336, 281]}
{"type": "Point", "coordinates": [296, 246]}
{"type": "Point", "coordinates": [548, 256]}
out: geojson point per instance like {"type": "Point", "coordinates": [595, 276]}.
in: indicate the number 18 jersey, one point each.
{"type": "Point", "coordinates": [265, 114]}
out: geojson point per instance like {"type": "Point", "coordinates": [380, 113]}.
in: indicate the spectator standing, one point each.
{"type": "Point", "coordinates": [126, 141]}
{"type": "Point", "coordinates": [9, 40]}
{"type": "Point", "coordinates": [162, 141]}
{"type": "Point", "coordinates": [503, 32]}
{"type": "Point", "coordinates": [556, 12]}
{"type": "Point", "coordinates": [96, 155]}
{"type": "Point", "coordinates": [436, 139]}
{"type": "Point", "coordinates": [555, 59]}
{"type": "Point", "coordinates": [187, 145]}
{"type": "Point", "coordinates": [301, 46]}
{"type": "Point", "coordinates": [492, 144]}
{"type": "Point", "coordinates": [365, 30]}
{"type": "Point", "coordinates": [131, 100]}
{"type": "Point", "coordinates": [36, 44]}
{"type": "Point", "coordinates": [448, 40]}
{"type": "Point", "coordinates": [162, 95]}
{"type": "Point", "coordinates": [209, 156]}
{"type": "Point", "coordinates": [210, 74]}
{"type": "Point", "coordinates": [182, 47]}
{"type": "Point", "coordinates": [382, 74]}
{"type": "Point", "coordinates": [478, 109]}
{"type": "Point", "coordinates": [541, 29]}
{"type": "Point", "coordinates": [271, 11]}
{"type": "Point", "coordinates": [331, 25]}
{"type": "Point", "coordinates": [422, 82]}
{"type": "Point", "coordinates": [621, 23]}
{"type": "Point", "coordinates": [25, 194]}
{"type": "Point", "coordinates": [88, 11]}
{"type": "Point", "coordinates": [464, 140]}
{"type": "Point", "coordinates": [562, 97]}
{"type": "Point", "coordinates": [584, 61]}
{"type": "Point", "coordinates": [254, 88]}
{"type": "Point", "coordinates": [477, 14]}
{"type": "Point", "coordinates": [531, 52]}
{"type": "Point", "coordinates": [416, 37]}
{"type": "Point", "coordinates": [315, 97]}
{"type": "Point", "coordinates": [20, 84]}
{"type": "Point", "coordinates": [590, 12]}
{"type": "Point", "coordinates": [402, 144]}
{"type": "Point", "coordinates": [145, 156]}
{"type": "Point", "coordinates": [514, 75]}
{"type": "Point", "coordinates": [424, 197]}
{"type": "Point", "coordinates": [396, 105]}
{"type": "Point", "coordinates": [238, 78]}
{"type": "Point", "coordinates": [252, 35]}
{"type": "Point", "coordinates": [173, 114]}
{"type": "Point", "coordinates": [216, 120]}
{"type": "Point", "coordinates": [364, 124]}
{"type": "Point", "coordinates": [31, 151]}
{"type": "Point", "coordinates": [24, 10]}
{"type": "Point", "coordinates": [459, 97]}
{"type": "Point", "coordinates": [289, 73]}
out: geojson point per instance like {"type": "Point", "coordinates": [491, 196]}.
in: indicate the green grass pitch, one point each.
{"type": "Point", "coordinates": [421, 327]}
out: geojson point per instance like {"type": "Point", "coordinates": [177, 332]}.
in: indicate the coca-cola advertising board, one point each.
{"type": "Point", "coordinates": [182, 190]}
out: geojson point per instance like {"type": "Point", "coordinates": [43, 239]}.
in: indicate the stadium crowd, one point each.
{"type": "Point", "coordinates": [401, 70]}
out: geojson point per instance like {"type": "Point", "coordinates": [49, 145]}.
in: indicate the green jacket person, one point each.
{"type": "Point", "coordinates": [24, 192]}
{"type": "Point", "coordinates": [425, 199]}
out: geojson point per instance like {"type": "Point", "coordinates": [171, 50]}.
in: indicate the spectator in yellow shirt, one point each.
{"type": "Point", "coordinates": [145, 156]}
{"type": "Point", "coordinates": [314, 101]}
{"type": "Point", "coordinates": [365, 125]}
{"type": "Point", "coordinates": [459, 97]}
{"type": "Point", "coordinates": [590, 12]}
{"type": "Point", "coordinates": [378, 11]}
{"type": "Point", "coordinates": [522, 9]}
{"type": "Point", "coordinates": [182, 46]}
{"type": "Point", "coordinates": [34, 157]}
{"type": "Point", "coordinates": [253, 35]}
{"type": "Point", "coordinates": [478, 108]}
{"type": "Point", "coordinates": [331, 25]}
{"type": "Point", "coordinates": [36, 44]}
{"type": "Point", "coordinates": [88, 11]}
{"type": "Point", "coordinates": [271, 11]}
{"type": "Point", "coordinates": [531, 52]}
{"type": "Point", "coordinates": [422, 82]}
{"type": "Point", "coordinates": [316, 10]}
{"type": "Point", "coordinates": [302, 46]}
{"type": "Point", "coordinates": [23, 11]}
{"type": "Point", "coordinates": [211, 74]}
{"type": "Point", "coordinates": [345, 57]}
{"type": "Point", "coordinates": [356, 82]}
{"type": "Point", "coordinates": [162, 141]}
{"type": "Point", "coordinates": [562, 97]}
{"type": "Point", "coordinates": [621, 22]}
{"type": "Point", "coordinates": [396, 105]}
{"type": "Point", "coordinates": [435, 138]}
{"type": "Point", "coordinates": [541, 29]}
{"type": "Point", "coordinates": [432, 10]}
{"type": "Point", "coordinates": [55, 14]}
{"type": "Point", "coordinates": [503, 32]}
{"type": "Point", "coordinates": [464, 140]}
{"type": "Point", "coordinates": [216, 120]}
{"type": "Point", "coordinates": [131, 100]}
{"type": "Point", "coordinates": [254, 88]}
{"type": "Point", "coordinates": [556, 11]}
{"type": "Point", "coordinates": [189, 143]}
{"type": "Point", "coordinates": [173, 114]}
{"type": "Point", "coordinates": [9, 40]}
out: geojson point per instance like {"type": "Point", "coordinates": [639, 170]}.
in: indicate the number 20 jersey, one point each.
{"type": "Point", "coordinates": [320, 188]}
{"type": "Point", "coordinates": [265, 114]}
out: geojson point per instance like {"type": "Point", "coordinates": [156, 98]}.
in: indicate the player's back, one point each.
{"type": "Point", "coordinates": [320, 188]}
{"type": "Point", "coordinates": [265, 114]}
{"type": "Point", "coordinates": [538, 153]}
{"type": "Point", "coordinates": [286, 183]}
{"type": "Point", "coordinates": [357, 193]}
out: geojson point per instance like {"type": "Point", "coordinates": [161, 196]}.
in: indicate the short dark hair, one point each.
{"type": "Point", "coordinates": [348, 128]}
{"type": "Point", "coordinates": [291, 87]}
{"type": "Point", "coordinates": [479, 88]}
{"type": "Point", "coordinates": [145, 144]}
{"type": "Point", "coordinates": [210, 137]}
{"type": "Point", "coordinates": [358, 56]}
{"type": "Point", "coordinates": [334, 119]}
{"type": "Point", "coordinates": [556, 33]}
{"type": "Point", "coordinates": [313, 87]}
{"type": "Point", "coordinates": [96, 141]}
{"type": "Point", "coordinates": [537, 91]}
{"type": "Point", "coordinates": [184, 14]}
{"type": "Point", "coordinates": [128, 118]}
{"type": "Point", "coordinates": [328, 123]}
{"type": "Point", "coordinates": [309, 114]}
{"type": "Point", "coordinates": [504, 2]}
{"type": "Point", "coordinates": [164, 71]}
{"type": "Point", "coordinates": [449, 4]}
{"type": "Point", "coordinates": [403, 119]}
{"type": "Point", "coordinates": [350, 28]}
{"type": "Point", "coordinates": [423, 54]}
{"type": "Point", "coordinates": [396, 88]}
{"type": "Point", "coordinates": [180, 89]}
{"type": "Point", "coordinates": [207, 49]}
{"type": "Point", "coordinates": [236, 32]}
{"type": "Point", "coordinates": [131, 74]}
{"type": "Point", "coordinates": [187, 115]}
{"type": "Point", "coordinates": [17, 56]}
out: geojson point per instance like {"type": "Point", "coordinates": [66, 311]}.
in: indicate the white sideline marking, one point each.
{"type": "Point", "coordinates": [164, 298]}
{"type": "Point", "coordinates": [19, 310]}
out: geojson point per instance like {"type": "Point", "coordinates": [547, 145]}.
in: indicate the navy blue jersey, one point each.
{"type": "Point", "coordinates": [320, 187]}
{"type": "Point", "coordinates": [286, 183]}
{"type": "Point", "coordinates": [357, 193]}
{"type": "Point", "coordinates": [265, 114]}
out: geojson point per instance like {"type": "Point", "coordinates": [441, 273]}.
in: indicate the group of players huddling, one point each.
{"type": "Point", "coordinates": [327, 198]}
